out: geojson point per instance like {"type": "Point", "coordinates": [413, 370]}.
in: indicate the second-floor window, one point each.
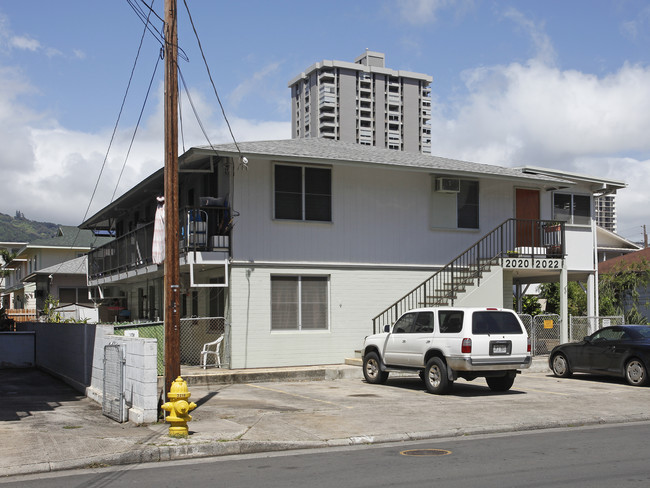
{"type": "Point", "coordinates": [458, 209]}
{"type": "Point", "coordinates": [572, 209]}
{"type": "Point", "coordinates": [303, 193]}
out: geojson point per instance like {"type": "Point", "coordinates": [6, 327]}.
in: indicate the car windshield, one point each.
{"type": "Point", "coordinates": [495, 323]}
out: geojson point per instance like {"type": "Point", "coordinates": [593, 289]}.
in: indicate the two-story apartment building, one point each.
{"type": "Point", "coordinates": [306, 244]}
{"type": "Point", "coordinates": [69, 243]}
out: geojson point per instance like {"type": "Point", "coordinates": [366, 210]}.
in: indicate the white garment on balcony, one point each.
{"type": "Point", "coordinates": [158, 246]}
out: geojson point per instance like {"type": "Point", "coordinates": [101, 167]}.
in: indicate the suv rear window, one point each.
{"type": "Point", "coordinates": [495, 323]}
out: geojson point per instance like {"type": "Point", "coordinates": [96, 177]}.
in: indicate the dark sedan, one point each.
{"type": "Point", "coordinates": [622, 351]}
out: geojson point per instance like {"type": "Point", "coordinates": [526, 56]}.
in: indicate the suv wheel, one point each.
{"type": "Point", "coordinates": [435, 377]}
{"type": "Point", "coordinates": [500, 383]}
{"type": "Point", "coordinates": [371, 369]}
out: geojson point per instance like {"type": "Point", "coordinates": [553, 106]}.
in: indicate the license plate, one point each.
{"type": "Point", "coordinates": [500, 348]}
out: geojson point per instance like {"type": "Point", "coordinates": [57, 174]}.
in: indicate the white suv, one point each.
{"type": "Point", "coordinates": [443, 344]}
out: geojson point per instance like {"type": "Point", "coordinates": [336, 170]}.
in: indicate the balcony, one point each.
{"type": "Point", "coordinates": [204, 229]}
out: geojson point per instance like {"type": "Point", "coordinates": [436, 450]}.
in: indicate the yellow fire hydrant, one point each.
{"type": "Point", "coordinates": [178, 408]}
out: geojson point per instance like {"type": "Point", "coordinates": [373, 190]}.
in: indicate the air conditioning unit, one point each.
{"type": "Point", "coordinates": [448, 185]}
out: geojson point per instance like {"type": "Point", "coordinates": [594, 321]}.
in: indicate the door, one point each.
{"type": "Point", "coordinates": [397, 344]}
{"type": "Point", "coordinates": [527, 211]}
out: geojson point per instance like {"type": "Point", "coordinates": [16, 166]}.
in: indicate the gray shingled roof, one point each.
{"type": "Point", "coordinates": [319, 149]}
{"type": "Point", "coordinates": [74, 266]}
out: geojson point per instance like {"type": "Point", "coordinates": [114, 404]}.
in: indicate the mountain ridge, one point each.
{"type": "Point", "coordinates": [21, 229]}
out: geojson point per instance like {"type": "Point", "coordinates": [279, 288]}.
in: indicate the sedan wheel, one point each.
{"type": "Point", "coordinates": [635, 373]}
{"type": "Point", "coordinates": [561, 366]}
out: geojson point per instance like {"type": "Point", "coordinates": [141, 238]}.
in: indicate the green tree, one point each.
{"type": "Point", "coordinates": [576, 298]}
{"type": "Point", "coordinates": [529, 305]}
{"type": "Point", "coordinates": [51, 304]}
{"type": "Point", "coordinates": [619, 291]}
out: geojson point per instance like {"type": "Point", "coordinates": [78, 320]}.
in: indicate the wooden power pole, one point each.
{"type": "Point", "coordinates": [172, 317]}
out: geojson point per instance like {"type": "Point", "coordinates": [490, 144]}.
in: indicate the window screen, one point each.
{"type": "Point", "coordinates": [299, 302]}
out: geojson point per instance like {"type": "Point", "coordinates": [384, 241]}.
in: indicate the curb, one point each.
{"type": "Point", "coordinates": [229, 448]}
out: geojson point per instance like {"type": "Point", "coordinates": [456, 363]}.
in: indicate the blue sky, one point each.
{"type": "Point", "coordinates": [554, 83]}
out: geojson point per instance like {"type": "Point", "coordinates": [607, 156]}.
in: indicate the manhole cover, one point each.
{"type": "Point", "coordinates": [425, 452]}
{"type": "Point", "coordinates": [364, 395]}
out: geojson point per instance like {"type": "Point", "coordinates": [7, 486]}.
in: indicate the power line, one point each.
{"type": "Point", "coordinates": [119, 116]}
{"type": "Point", "coordinates": [205, 62]}
{"type": "Point", "coordinates": [135, 130]}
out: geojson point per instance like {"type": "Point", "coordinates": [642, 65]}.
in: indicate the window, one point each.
{"type": "Point", "coordinates": [467, 201]}
{"type": "Point", "coordinates": [573, 209]}
{"type": "Point", "coordinates": [455, 210]}
{"type": "Point", "coordinates": [405, 324]}
{"type": "Point", "coordinates": [451, 321]}
{"type": "Point", "coordinates": [487, 323]}
{"type": "Point", "coordinates": [73, 295]}
{"type": "Point", "coordinates": [299, 303]}
{"type": "Point", "coordinates": [67, 295]}
{"type": "Point", "coordinates": [303, 193]}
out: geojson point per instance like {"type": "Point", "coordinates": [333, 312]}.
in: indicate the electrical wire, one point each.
{"type": "Point", "coordinates": [159, 34]}
{"type": "Point", "coordinates": [205, 62]}
{"type": "Point", "coordinates": [137, 125]}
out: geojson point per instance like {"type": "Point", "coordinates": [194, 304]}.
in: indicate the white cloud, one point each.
{"type": "Point", "coordinates": [542, 43]}
{"type": "Point", "coordinates": [421, 11]}
{"type": "Point", "coordinates": [634, 28]}
{"type": "Point", "coordinates": [532, 112]}
{"type": "Point", "coordinates": [24, 42]}
{"type": "Point", "coordinates": [49, 172]}
{"type": "Point", "coordinates": [256, 83]}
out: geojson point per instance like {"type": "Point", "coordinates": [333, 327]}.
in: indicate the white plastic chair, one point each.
{"type": "Point", "coordinates": [206, 350]}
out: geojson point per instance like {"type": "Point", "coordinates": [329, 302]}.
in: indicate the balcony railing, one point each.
{"type": "Point", "coordinates": [201, 229]}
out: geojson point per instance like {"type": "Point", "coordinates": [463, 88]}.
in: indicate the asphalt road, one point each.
{"type": "Point", "coordinates": [601, 456]}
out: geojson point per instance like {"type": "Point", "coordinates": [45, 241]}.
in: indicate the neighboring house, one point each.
{"type": "Point", "coordinates": [611, 245]}
{"type": "Point", "coordinates": [67, 284]}
{"type": "Point", "coordinates": [69, 243]}
{"type": "Point", "coordinates": [363, 102]}
{"type": "Point", "coordinates": [5, 269]}
{"type": "Point", "coordinates": [306, 241]}
{"type": "Point", "coordinates": [620, 263]}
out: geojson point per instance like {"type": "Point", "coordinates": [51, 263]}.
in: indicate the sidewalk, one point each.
{"type": "Point", "coordinates": [46, 426]}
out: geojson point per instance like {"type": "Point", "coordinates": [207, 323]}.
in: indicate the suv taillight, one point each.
{"type": "Point", "coordinates": [466, 348]}
{"type": "Point", "coordinates": [528, 348]}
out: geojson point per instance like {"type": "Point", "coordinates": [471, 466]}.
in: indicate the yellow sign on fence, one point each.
{"type": "Point", "coordinates": [548, 324]}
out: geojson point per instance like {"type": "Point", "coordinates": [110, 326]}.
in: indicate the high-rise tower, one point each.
{"type": "Point", "coordinates": [363, 102]}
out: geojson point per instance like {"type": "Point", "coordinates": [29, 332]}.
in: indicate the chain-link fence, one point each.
{"type": "Point", "coordinates": [113, 385]}
{"type": "Point", "coordinates": [543, 330]}
{"type": "Point", "coordinates": [195, 332]}
{"type": "Point", "coordinates": [580, 327]}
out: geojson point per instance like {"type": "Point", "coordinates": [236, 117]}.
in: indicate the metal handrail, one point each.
{"type": "Point", "coordinates": [514, 236]}
{"type": "Point", "coordinates": [134, 249]}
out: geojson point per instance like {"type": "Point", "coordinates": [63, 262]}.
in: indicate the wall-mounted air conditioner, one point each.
{"type": "Point", "coordinates": [448, 185]}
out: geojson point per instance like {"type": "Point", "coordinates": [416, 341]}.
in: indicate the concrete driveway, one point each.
{"type": "Point", "coordinates": [47, 426]}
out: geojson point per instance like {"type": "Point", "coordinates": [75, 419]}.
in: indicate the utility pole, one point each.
{"type": "Point", "coordinates": [172, 318]}
{"type": "Point", "coordinates": [645, 238]}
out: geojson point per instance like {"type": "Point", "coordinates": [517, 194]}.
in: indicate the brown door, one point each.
{"type": "Point", "coordinates": [527, 212]}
